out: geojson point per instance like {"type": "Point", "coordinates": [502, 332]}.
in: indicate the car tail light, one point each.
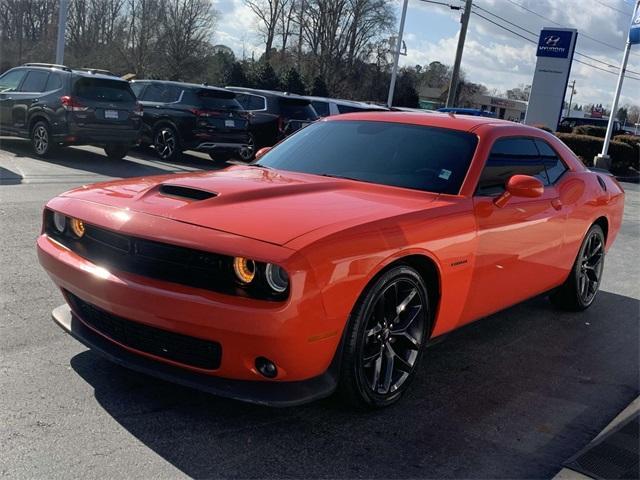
{"type": "Point", "coordinates": [204, 113]}
{"type": "Point", "coordinates": [71, 104]}
{"type": "Point", "coordinates": [137, 110]}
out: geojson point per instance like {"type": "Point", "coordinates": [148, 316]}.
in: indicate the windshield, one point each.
{"type": "Point", "coordinates": [395, 154]}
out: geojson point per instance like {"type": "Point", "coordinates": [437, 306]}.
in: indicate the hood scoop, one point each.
{"type": "Point", "coordinates": [186, 192]}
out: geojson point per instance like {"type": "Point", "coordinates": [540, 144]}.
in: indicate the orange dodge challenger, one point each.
{"type": "Point", "coordinates": [332, 261]}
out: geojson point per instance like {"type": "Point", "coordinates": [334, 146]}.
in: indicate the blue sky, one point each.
{"type": "Point", "coordinates": [492, 55]}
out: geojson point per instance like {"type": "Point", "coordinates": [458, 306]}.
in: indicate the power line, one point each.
{"type": "Point", "coordinates": [556, 23]}
{"type": "Point", "coordinates": [536, 35]}
{"type": "Point", "coordinates": [614, 8]}
{"type": "Point", "coordinates": [535, 43]}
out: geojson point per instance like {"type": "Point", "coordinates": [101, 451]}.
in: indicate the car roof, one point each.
{"type": "Point", "coordinates": [272, 93]}
{"type": "Point", "coordinates": [451, 121]}
{"type": "Point", "coordinates": [339, 101]}
{"type": "Point", "coordinates": [180, 84]}
{"type": "Point", "coordinates": [88, 73]}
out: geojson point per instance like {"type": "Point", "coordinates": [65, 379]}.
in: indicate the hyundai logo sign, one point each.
{"type": "Point", "coordinates": [554, 43]}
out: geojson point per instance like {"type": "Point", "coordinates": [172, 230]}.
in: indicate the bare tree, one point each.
{"type": "Point", "coordinates": [270, 14]}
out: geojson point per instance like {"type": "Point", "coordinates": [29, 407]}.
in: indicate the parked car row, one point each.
{"type": "Point", "coordinates": [54, 105]}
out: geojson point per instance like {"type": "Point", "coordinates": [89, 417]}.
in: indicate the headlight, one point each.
{"type": "Point", "coordinates": [77, 227]}
{"type": "Point", "coordinates": [59, 221]}
{"type": "Point", "coordinates": [277, 277]}
{"type": "Point", "coordinates": [244, 269]}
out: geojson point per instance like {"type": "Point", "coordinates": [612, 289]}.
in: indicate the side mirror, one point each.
{"type": "Point", "coordinates": [262, 152]}
{"type": "Point", "coordinates": [520, 186]}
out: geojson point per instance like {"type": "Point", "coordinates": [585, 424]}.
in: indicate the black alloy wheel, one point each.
{"type": "Point", "coordinates": [247, 153]}
{"type": "Point", "coordinates": [41, 139]}
{"type": "Point", "coordinates": [166, 143]}
{"type": "Point", "coordinates": [580, 289]}
{"type": "Point", "coordinates": [386, 338]}
{"type": "Point", "coordinates": [116, 152]}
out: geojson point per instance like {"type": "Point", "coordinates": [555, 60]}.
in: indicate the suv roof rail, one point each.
{"type": "Point", "coordinates": [100, 71]}
{"type": "Point", "coordinates": [48, 65]}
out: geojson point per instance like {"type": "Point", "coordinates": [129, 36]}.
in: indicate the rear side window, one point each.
{"type": "Point", "coordinates": [553, 164]}
{"type": "Point", "coordinates": [251, 102]}
{"type": "Point", "coordinates": [103, 90]}
{"type": "Point", "coordinates": [137, 89]}
{"type": "Point", "coordinates": [212, 99]}
{"type": "Point", "coordinates": [159, 93]}
{"type": "Point", "coordinates": [35, 81]}
{"type": "Point", "coordinates": [54, 82]}
{"type": "Point", "coordinates": [350, 109]}
{"type": "Point", "coordinates": [295, 109]}
{"type": "Point", "coordinates": [321, 108]}
{"type": "Point", "coordinates": [10, 81]}
{"type": "Point", "coordinates": [508, 157]}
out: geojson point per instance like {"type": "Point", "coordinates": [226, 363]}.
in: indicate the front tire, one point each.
{"type": "Point", "coordinates": [116, 152]}
{"type": "Point", "coordinates": [385, 339]}
{"type": "Point", "coordinates": [41, 139]}
{"type": "Point", "coordinates": [167, 143]}
{"type": "Point", "coordinates": [580, 289]}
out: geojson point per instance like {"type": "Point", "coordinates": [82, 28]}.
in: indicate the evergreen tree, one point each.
{"type": "Point", "coordinates": [319, 88]}
{"type": "Point", "coordinates": [268, 79]}
{"type": "Point", "coordinates": [293, 82]}
{"type": "Point", "coordinates": [236, 76]}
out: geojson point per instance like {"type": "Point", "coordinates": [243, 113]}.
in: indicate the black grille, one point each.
{"type": "Point", "coordinates": [162, 261]}
{"type": "Point", "coordinates": [179, 348]}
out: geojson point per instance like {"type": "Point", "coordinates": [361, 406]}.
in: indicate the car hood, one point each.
{"type": "Point", "coordinates": [269, 205]}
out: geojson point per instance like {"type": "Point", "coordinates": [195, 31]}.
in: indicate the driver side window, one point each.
{"type": "Point", "coordinates": [508, 157]}
{"type": "Point", "coordinates": [10, 81]}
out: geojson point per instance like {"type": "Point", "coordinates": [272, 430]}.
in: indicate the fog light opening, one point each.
{"type": "Point", "coordinates": [266, 367]}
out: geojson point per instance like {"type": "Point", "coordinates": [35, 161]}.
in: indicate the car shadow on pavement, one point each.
{"type": "Point", "coordinates": [9, 177]}
{"type": "Point", "coordinates": [510, 396]}
{"type": "Point", "coordinates": [99, 163]}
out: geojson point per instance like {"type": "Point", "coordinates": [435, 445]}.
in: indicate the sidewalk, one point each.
{"type": "Point", "coordinates": [613, 451]}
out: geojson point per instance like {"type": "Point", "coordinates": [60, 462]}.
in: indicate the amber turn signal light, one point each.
{"type": "Point", "coordinates": [77, 227]}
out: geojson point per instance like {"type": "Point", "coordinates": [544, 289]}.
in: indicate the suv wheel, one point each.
{"type": "Point", "coordinates": [41, 139]}
{"type": "Point", "coordinates": [116, 152]}
{"type": "Point", "coordinates": [386, 336]}
{"type": "Point", "coordinates": [166, 143]}
{"type": "Point", "coordinates": [247, 153]}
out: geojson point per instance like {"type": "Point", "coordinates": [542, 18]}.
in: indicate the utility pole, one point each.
{"type": "Point", "coordinates": [62, 26]}
{"type": "Point", "coordinates": [455, 74]}
{"type": "Point", "coordinates": [573, 90]}
{"type": "Point", "coordinates": [396, 58]}
{"type": "Point", "coordinates": [603, 160]}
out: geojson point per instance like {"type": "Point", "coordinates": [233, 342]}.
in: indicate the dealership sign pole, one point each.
{"type": "Point", "coordinates": [551, 77]}
{"type": "Point", "coordinates": [603, 160]}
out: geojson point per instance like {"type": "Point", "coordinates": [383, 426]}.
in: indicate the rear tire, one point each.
{"type": "Point", "coordinates": [167, 143]}
{"type": "Point", "coordinates": [385, 339]}
{"type": "Point", "coordinates": [41, 139]}
{"type": "Point", "coordinates": [580, 289]}
{"type": "Point", "coordinates": [248, 153]}
{"type": "Point", "coordinates": [116, 152]}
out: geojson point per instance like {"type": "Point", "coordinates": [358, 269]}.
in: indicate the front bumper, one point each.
{"type": "Point", "coordinates": [275, 394]}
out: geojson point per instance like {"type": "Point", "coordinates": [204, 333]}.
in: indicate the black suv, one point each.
{"type": "Point", "coordinates": [274, 115]}
{"type": "Point", "coordinates": [54, 105]}
{"type": "Point", "coordinates": [184, 116]}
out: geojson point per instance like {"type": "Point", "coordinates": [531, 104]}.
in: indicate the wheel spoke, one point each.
{"type": "Point", "coordinates": [415, 313]}
{"type": "Point", "coordinates": [374, 331]}
{"type": "Point", "coordinates": [415, 344]}
{"type": "Point", "coordinates": [366, 361]}
{"type": "Point", "coordinates": [377, 368]}
{"type": "Point", "coordinates": [388, 371]}
{"type": "Point", "coordinates": [403, 305]}
{"type": "Point", "coordinates": [402, 363]}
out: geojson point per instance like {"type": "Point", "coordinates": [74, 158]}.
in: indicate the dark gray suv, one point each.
{"type": "Point", "coordinates": [54, 105]}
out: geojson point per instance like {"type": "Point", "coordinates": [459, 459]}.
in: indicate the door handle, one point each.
{"type": "Point", "coordinates": [556, 203]}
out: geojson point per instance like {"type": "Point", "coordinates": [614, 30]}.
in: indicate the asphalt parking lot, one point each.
{"type": "Point", "coordinates": [513, 395]}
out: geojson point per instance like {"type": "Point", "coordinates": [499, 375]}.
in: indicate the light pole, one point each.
{"type": "Point", "coordinates": [573, 91]}
{"type": "Point", "coordinates": [62, 26]}
{"type": "Point", "coordinates": [603, 159]}
{"type": "Point", "coordinates": [396, 57]}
